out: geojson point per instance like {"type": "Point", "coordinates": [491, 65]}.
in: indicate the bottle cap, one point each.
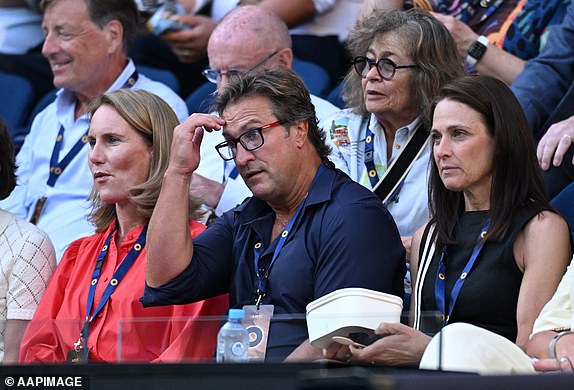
{"type": "Point", "coordinates": [236, 314]}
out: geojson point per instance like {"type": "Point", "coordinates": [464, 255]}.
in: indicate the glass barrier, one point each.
{"type": "Point", "coordinates": [193, 340]}
{"type": "Point", "coordinates": [163, 340]}
{"type": "Point", "coordinates": [51, 341]}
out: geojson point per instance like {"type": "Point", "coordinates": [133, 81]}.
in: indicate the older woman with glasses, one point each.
{"type": "Point", "coordinates": [401, 59]}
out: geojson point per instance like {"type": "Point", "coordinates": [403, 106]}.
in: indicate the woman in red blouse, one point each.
{"type": "Point", "coordinates": [91, 309]}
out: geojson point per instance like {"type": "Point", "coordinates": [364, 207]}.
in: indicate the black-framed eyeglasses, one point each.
{"type": "Point", "coordinates": [213, 75]}
{"type": "Point", "coordinates": [385, 67]}
{"type": "Point", "coordinates": [250, 140]}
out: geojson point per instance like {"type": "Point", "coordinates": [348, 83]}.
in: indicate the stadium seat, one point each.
{"type": "Point", "coordinates": [161, 75]}
{"type": "Point", "coordinates": [15, 100]}
{"type": "Point", "coordinates": [316, 78]}
{"type": "Point", "coordinates": [200, 99]}
{"type": "Point", "coordinates": [334, 97]}
{"type": "Point", "coordinates": [18, 134]}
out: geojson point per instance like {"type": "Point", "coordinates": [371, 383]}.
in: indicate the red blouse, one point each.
{"type": "Point", "coordinates": [156, 334]}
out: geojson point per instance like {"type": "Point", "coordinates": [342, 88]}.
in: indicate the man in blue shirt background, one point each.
{"type": "Point", "coordinates": [545, 89]}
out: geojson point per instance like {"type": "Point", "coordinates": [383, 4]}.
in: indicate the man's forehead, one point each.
{"type": "Point", "coordinates": [251, 105]}
{"type": "Point", "coordinates": [247, 111]}
{"type": "Point", "coordinates": [58, 13]}
{"type": "Point", "coordinates": [233, 57]}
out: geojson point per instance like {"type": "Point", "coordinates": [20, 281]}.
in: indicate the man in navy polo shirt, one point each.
{"type": "Point", "coordinates": [308, 230]}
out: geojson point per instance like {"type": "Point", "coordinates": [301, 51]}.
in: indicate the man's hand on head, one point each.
{"type": "Point", "coordinates": [187, 136]}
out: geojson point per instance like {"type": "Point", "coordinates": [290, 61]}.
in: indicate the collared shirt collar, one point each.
{"type": "Point", "coordinates": [255, 208]}
{"type": "Point", "coordinates": [375, 126]}
{"type": "Point", "coordinates": [65, 100]}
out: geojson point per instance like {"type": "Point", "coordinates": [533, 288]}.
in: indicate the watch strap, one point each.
{"type": "Point", "coordinates": [476, 50]}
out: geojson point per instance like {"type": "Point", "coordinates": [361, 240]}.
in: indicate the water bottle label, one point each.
{"type": "Point", "coordinates": [238, 349]}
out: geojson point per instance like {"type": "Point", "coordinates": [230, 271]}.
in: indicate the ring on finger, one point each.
{"type": "Point", "coordinates": [565, 359]}
{"type": "Point", "coordinates": [567, 137]}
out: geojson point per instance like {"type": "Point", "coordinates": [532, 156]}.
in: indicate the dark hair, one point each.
{"type": "Point", "coordinates": [516, 179]}
{"type": "Point", "coordinates": [7, 165]}
{"type": "Point", "coordinates": [288, 95]}
{"type": "Point", "coordinates": [426, 41]}
{"type": "Point", "coordinates": [103, 11]}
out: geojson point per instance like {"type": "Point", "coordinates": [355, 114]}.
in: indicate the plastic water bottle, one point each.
{"type": "Point", "coordinates": [233, 339]}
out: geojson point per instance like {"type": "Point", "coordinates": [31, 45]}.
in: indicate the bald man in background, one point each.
{"type": "Point", "coordinates": [249, 39]}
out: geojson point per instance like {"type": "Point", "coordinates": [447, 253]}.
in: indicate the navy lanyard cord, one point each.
{"type": "Point", "coordinates": [56, 168]}
{"type": "Point", "coordinates": [370, 158]}
{"type": "Point", "coordinates": [118, 276]}
{"type": "Point", "coordinates": [372, 171]}
{"type": "Point", "coordinates": [395, 193]}
{"type": "Point", "coordinates": [440, 284]}
{"type": "Point", "coordinates": [263, 277]}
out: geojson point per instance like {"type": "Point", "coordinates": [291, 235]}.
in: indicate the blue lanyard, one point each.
{"type": "Point", "coordinates": [370, 158]}
{"type": "Point", "coordinates": [372, 171]}
{"type": "Point", "coordinates": [118, 276]}
{"type": "Point", "coordinates": [57, 167]}
{"type": "Point", "coordinates": [395, 195]}
{"type": "Point", "coordinates": [263, 275]}
{"type": "Point", "coordinates": [440, 284]}
{"type": "Point", "coordinates": [233, 174]}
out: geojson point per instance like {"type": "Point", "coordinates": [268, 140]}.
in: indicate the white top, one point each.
{"type": "Point", "coordinates": [27, 261]}
{"type": "Point", "coordinates": [64, 217]}
{"type": "Point", "coordinates": [333, 17]}
{"type": "Point", "coordinates": [20, 30]}
{"type": "Point", "coordinates": [559, 311]}
{"type": "Point", "coordinates": [346, 133]}
{"type": "Point", "coordinates": [213, 167]}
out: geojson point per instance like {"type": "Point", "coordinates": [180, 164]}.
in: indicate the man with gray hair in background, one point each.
{"type": "Point", "coordinates": [248, 39]}
{"type": "Point", "coordinates": [86, 44]}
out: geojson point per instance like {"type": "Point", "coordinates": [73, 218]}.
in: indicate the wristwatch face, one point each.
{"type": "Point", "coordinates": [476, 50]}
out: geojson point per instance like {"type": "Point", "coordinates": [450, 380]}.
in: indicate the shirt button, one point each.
{"type": "Point", "coordinates": [398, 146]}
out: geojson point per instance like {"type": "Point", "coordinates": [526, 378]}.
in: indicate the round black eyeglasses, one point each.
{"type": "Point", "coordinates": [385, 67]}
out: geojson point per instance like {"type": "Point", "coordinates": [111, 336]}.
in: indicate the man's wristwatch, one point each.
{"type": "Point", "coordinates": [476, 50]}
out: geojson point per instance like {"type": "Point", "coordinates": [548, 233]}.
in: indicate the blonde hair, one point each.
{"type": "Point", "coordinates": [154, 120]}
